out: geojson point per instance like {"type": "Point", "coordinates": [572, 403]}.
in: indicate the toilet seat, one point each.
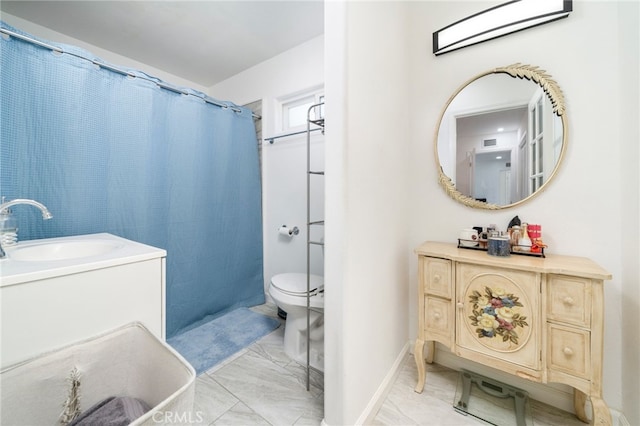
{"type": "Point", "coordinates": [295, 284]}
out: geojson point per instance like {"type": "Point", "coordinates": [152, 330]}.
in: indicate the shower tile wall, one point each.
{"type": "Point", "coordinates": [256, 108]}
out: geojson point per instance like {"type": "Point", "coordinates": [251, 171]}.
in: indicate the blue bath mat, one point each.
{"type": "Point", "coordinates": [214, 341]}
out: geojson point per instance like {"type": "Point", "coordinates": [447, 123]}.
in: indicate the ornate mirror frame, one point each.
{"type": "Point", "coordinates": [556, 97]}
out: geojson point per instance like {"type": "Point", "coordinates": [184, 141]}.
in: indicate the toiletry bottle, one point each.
{"type": "Point", "coordinates": [525, 242]}
{"type": "Point", "coordinates": [8, 228]}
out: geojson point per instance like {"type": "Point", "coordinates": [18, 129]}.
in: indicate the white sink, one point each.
{"type": "Point", "coordinates": [32, 260]}
{"type": "Point", "coordinates": [46, 252]}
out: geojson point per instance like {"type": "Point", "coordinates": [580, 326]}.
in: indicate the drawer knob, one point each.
{"type": "Point", "coordinates": [568, 351]}
{"type": "Point", "coordinates": [436, 278]}
{"type": "Point", "coordinates": [568, 301]}
{"type": "Point", "coordinates": [460, 305]}
{"type": "Point", "coordinates": [437, 315]}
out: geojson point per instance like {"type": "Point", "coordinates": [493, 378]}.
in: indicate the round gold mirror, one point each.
{"type": "Point", "coordinates": [501, 137]}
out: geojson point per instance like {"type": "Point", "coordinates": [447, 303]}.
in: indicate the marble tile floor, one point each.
{"type": "Point", "coordinates": [260, 385]}
{"type": "Point", "coordinates": [434, 406]}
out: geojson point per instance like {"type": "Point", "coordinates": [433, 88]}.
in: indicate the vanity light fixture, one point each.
{"type": "Point", "coordinates": [500, 129]}
{"type": "Point", "coordinates": [498, 21]}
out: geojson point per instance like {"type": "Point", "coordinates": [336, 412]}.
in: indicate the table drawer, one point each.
{"type": "Point", "coordinates": [569, 350]}
{"type": "Point", "coordinates": [437, 277]}
{"type": "Point", "coordinates": [439, 318]}
{"type": "Point", "coordinates": [569, 300]}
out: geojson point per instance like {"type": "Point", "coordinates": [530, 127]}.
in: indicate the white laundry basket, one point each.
{"type": "Point", "coordinates": [128, 361]}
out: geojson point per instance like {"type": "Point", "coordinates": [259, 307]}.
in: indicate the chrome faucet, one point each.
{"type": "Point", "coordinates": [4, 210]}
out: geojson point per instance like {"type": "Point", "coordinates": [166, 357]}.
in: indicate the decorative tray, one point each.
{"type": "Point", "coordinates": [482, 245]}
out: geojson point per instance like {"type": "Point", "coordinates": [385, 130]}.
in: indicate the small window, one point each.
{"type": "Point", "coordinates": [294, 110]}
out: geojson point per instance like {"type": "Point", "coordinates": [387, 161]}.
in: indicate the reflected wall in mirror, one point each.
{"type": "Point", "coordinates": [501, 137]}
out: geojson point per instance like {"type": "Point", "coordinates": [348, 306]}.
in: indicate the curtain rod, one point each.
{"type": "Point", "coordinates": [159, 83]}
{"type": "Point", "coordinates": [272, 138]}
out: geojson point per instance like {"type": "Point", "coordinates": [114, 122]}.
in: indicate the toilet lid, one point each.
{"type": "Point", "coordinates": [296, 284]}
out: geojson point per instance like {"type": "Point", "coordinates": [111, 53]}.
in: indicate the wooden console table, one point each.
{"type": "Point", "coordinates": [536, 318]}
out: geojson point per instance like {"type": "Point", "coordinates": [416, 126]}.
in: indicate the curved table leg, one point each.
{"type": "Point", "coordinates": [579, 401]}
{"type": "Point", "coordinates": [601, 413]}
{"type": "Point", "coordinates": [418, 353]}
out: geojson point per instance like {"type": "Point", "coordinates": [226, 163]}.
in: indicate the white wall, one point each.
{"type": "Point", "coordinates": [284, 190]}
{"type": "Point", "coordinates": [629, 208]}
{"type": "Point", "coordinates": [106, 55]}
{"type": "Point", "coordinates": [367, 202]}
{"type": "Point", "coordinates": [295, 70]}
{"type": "Point", "coordinates": [591, 208]}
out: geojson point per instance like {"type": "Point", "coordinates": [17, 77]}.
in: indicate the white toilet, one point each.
{"type": "Point", "coordinates": [289, 291]}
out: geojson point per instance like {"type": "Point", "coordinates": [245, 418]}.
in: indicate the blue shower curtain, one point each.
{"type": "Point", "coordinates": [108, 152]}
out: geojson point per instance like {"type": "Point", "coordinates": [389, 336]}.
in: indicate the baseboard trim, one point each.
{"type": "Point", "coordinates": [383, 390]}
{"type": "Point", "coordinates": [617, 418]}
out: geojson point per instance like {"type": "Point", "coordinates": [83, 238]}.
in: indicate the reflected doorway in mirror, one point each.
{"type": "Point", "coordinates": [522, 109]}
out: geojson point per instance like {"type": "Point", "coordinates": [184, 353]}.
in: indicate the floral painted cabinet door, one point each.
{"type": "Point", "coordinates": [498, 314]}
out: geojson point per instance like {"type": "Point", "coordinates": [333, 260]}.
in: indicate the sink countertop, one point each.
{"type": "Point", "coordinates": [16, 272]}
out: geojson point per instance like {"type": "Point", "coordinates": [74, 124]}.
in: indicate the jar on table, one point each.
{"type": "Point", "coordinates": [515, 236]}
